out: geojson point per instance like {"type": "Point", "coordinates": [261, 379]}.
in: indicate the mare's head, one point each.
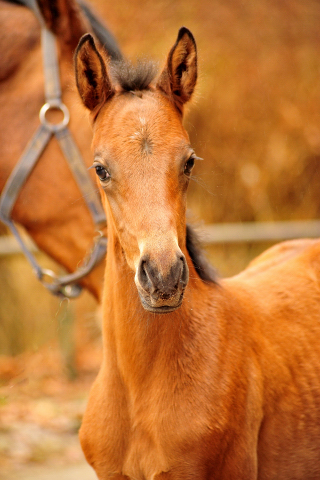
{"type": "Point", "coordinates": [50, 206]}
{"type": "Point", "coordinates": [143, 158]}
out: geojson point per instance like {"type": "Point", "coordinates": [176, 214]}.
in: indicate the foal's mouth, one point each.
{"type": "Point", "coordinates": [161, 308]}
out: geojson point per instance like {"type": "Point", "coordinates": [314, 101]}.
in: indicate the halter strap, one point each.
{"type": "Point", "coordinates": [64, 286]}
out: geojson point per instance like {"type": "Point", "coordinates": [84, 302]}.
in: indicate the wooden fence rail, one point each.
{"type": "Point", "coordinates": [260, 231]}
{"type": "Point", "coordinates": [220, 233]}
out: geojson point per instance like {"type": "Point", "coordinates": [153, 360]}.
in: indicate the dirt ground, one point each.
{"type": "Point", "coordinates": [40, 415]}
{"type": "Point", "coordinates": [81, 471]}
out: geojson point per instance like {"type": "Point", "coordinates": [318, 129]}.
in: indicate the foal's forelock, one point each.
{"type": "Point", "coordinates": [131, 77]}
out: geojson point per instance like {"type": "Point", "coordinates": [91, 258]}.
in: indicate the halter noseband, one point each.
{"type": "Point", "coordinates": [66, 285]}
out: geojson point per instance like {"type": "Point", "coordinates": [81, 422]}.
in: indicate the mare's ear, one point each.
{"type": "Point", "coordinates": [179, 77]}
{"type": "Point", "coordinates": [92, 78]}
{"type": "Point", "coordinates": [65, 20]}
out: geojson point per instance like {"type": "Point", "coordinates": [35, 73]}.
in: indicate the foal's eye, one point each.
{"type": "Point", "coordinates": [188, 166]}
{"type": "Point", "coordinates": [102, 173]}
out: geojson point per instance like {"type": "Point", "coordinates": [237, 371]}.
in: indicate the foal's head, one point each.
{"type": "Point", "coordinates": [144, 160]}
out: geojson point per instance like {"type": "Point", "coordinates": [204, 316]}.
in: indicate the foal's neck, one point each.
{"type": "Point", "coordinates": [136, 339]}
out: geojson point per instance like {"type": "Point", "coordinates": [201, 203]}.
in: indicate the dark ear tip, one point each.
{"type": "Point", "coordinates": [87, 37]}
{"type": "Point", "coordinates": [185, 31]}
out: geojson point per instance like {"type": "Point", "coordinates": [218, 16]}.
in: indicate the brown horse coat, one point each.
{"type": "Point", "coordinates": [200, 379]}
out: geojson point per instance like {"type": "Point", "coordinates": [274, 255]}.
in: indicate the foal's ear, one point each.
{"type": "Point", "coordinates": [179, 77]}
{"type": "Point", "coordinates": [92, 78]}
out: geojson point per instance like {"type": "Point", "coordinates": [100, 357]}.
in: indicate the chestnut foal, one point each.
{"type": "Point", "coordinates": [200, 379]}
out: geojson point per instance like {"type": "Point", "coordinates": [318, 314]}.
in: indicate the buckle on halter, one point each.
{"type": "Point", "coordinates": [54, 105]}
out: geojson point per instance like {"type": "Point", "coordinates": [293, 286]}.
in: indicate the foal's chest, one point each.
{"type": "Point", "coordinates": [165, 441]}
{"type": "Point", "coordinates": [144, 459]}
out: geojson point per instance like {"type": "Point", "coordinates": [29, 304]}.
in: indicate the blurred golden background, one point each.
{"type": "Point", "coordinates": [255, 120]}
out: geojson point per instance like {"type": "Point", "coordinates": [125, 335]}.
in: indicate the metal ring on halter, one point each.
{"type": "Point", "coordinates": [48, 277]}
{"type": "Point", "coordinates": [54, 105]}
{"type": "Point", "coordinates": [54, 285]}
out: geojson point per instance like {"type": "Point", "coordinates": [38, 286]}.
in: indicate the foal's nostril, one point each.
{"type": "Point", "coordinates": [184, 278]}
{"type": "Point", "coordinates": [143, 274]}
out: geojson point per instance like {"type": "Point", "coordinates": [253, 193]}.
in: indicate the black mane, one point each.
{"type": "Point", "coordinates": [203, 268]}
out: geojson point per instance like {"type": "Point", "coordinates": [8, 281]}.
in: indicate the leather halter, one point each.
{"type": "Point", "coordinates": [66, 285]}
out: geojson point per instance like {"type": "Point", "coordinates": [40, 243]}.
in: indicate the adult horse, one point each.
{"type": "Point", "coordinates": [50, 205]}
{"type": "Point", "coordinates": [200, 378]}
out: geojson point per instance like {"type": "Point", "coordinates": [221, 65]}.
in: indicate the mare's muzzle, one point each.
{"type": "Point", "coordinates": [161, 289]}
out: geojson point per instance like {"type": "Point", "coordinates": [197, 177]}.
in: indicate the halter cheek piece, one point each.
{"type": "Point", "coordinates": [66, 285]}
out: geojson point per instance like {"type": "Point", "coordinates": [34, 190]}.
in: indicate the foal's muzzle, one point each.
{"type": "Point", "coordinates": [161, 288]}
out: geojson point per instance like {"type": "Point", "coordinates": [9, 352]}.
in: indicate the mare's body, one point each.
{"type": "Point", "coordinates": [50, 206]}
{"type": "Point", "coordinates": [200, 378]}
